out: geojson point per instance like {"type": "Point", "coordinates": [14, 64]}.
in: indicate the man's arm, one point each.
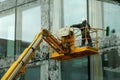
{"type": "Point", "coordinates": [76, 25]}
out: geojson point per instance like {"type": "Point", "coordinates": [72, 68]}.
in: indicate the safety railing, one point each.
{"type": "Point", "coordinates": [86, 35]}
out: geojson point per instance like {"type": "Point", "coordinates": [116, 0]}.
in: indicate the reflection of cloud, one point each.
{"type": "Point", "coordinates": [2, 0]}
{"type": "Point", "coordinates": [112, 16]}
{"type": "Point", "coordinates": [7, 27]}
{"type": "Point", "coordinates": [31, 22]}
{"type": "Point", "coordinates": [74, 11]}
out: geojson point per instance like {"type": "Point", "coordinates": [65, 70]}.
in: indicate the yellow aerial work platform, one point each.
{"type": "Point", "coordinates": [76, 53]}
{"type": "Point", "coordinates": [64, 45]}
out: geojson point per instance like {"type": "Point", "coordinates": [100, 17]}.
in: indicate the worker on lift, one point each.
{"type": "Point", "coordinates": [85, 31]}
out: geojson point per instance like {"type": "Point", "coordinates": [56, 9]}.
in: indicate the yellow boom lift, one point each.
{"type": "Point", "coordinates": [64, 49]}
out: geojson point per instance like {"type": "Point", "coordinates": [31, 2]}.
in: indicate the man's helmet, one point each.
{"type": "Point", "coordinates": [84, 19]}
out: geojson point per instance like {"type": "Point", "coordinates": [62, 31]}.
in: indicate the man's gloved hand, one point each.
{"type": "Point", "coordinates": [72, 26]}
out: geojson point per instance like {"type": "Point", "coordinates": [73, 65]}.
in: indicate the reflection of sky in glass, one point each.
{"type": "Point", "coordinates": [74, 11]}
{"type": "Point", "coordinates": [7, 25]}
{"type": "Point", "coordinates": [112, 16]}
{"type": "Point", "coordinates": [31, 22]}
{"type": "Point", "coordinates": [2, 0]}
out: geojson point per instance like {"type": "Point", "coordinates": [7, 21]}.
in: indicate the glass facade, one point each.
{"type": "Point", "coordinates": [74, 11]}
{"type": "Point", "coordinates": [32, 73]}
{"type": "Point", "coordinates": [112, 16]}
{"type": "Point", "coordinates": [31, 23]}
{"type": "Point", "coordinates": [75, 69]}
{"type": "Point", "coordinates": [7, 29]}
{"type": "Point", "coordinates": [111, 64]}
{"type": "Point", "coordinates": [18, 28]}
{"type": "Point", "coordinates": [111, 57]}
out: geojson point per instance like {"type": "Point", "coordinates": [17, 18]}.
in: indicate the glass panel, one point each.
{"type": "Point", "coordinates": [74, 69]}
{"type": "Point", "coordinates": [7, 25]}
{"type": "Point", "coordinates": [111, 58]}
{"type": "Point", "coordinates": [2, 0]}
{"type": "Point", "coordinates": [31, 22]}
{"type": "Point", "coordinates": [74, 11]}
{"type": "Point", "coordinates": [32, 73]}
{"type": "Point", "coordinates": [111, 64]}
{"type": "Point", "coordinates": [112, 16]}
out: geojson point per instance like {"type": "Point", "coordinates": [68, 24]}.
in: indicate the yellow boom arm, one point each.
{"type": "Point", "coordinates": [19, 65]}
{"type": "Point", "coordinates": [64, 48]}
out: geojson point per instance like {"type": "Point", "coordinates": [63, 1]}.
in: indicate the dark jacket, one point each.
{"type": "Point", "coordinates": [81, 25]}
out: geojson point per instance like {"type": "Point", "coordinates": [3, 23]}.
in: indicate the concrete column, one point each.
{"type": "Point", "coordinates": [45, 14]}
{"type": "Point", "coordinates": [44, 71]}
{"type": "Point", "coordinates": [18, 31]}
{"type": "Point", "coordinates": [96, 21]}
{"type": "Point", "coordinates": [96, 13]}
{"type": "Point", "coordinates": [57, 24]}
{"type": "Point", "coordinates": [51, 20]}
{"type": "Point", "coordinates": [57, 15]}
{"type": "Point", "coordinates": [54, 70]}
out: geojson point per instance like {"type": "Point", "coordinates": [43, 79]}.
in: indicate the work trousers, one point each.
{"type": "Point", "coordinates": [86, 37]}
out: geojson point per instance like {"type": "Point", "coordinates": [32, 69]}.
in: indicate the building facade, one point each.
{"type": "Point", "coordinates": [20, 20]}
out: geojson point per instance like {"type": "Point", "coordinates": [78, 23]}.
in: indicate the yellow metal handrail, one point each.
{"type": "Point", "coordinates": [91, 31]}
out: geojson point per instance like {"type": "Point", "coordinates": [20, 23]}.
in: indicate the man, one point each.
{"type": "Point", "coordinates": [85, 28]}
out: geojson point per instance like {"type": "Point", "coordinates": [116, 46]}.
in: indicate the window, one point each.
{"type": "Point", "coordinates": [112, 16]}
{"type": "Point", "coordinates": [7, 25]}
{"type": "Point", "coordinates": [32, 73]}
{"type": "Point", "coordinates": [31, 23]}
{"type": "Point", "coordinates": [74, 69]}
{"type": "Point", "coordinates": [74, 11]}
{"type": "Point", "coordinates": [2, 0]}
{"type": "Point", "coordinates": [111, 58]}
